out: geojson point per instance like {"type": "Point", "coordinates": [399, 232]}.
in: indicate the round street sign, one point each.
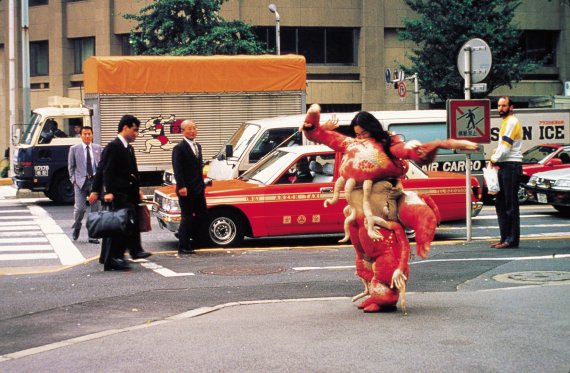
{"type": "Point", "coordinates": [402, 89]}
{"type": "Point", "coordinates": [388, 76]}
{"type": "Point", "coordinates": [481, 60]}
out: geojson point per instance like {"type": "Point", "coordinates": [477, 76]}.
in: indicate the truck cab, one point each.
{"type": "Point", "coordinates": [41, 148]}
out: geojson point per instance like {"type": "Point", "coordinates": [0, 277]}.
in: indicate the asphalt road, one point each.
{"type": "Point", "coordinates": [284, 305]}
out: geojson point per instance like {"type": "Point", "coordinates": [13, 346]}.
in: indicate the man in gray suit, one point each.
{"type": "Point", "coordinates": [82, 165]}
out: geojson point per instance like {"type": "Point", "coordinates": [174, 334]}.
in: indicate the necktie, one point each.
{"type": "Point", "coordinates": [195, 147]}
{"type": "Point", "coordinates": [89, 163]}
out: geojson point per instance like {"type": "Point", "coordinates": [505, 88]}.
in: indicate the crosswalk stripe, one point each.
{"type": "Point", "coordinates": [35, 256]}
{"type": "Point", "coordinates": [19, 228]}
{"type": "Point", "coordinates": [12, 217]}
{"type": "Point", "coordinates": [19, 223]}
{"type": "Point", "coordinates": [21, 234]}
{"type": "Point", "coordinates": [26, 248]}
{"type": "Point", "coordinates": [14, 211]}
{"type": "Point", "coordinates": [23, 240]}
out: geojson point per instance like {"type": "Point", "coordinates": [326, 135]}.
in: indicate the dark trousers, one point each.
{"type": "Point", "coordinates": [507, 201]}
{"type": "Point", "coordinates": [114, 247]}
{"type": "Point", "coordinates": [194, 219]}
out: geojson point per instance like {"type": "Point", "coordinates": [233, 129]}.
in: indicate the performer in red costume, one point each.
{"type": "Point", "coordinates": [371, 168]}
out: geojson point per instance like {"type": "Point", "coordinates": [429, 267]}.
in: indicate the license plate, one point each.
{"type": "Point", "coordinates": [541, 198]}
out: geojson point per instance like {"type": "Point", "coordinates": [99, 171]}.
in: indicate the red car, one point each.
{"type": "Point", "coordinates": [542, 158]}
{"type": "Point", "coordinates": [276, 197]}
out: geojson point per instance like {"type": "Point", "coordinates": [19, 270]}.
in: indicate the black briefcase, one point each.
{"type": "Point", "coordinates": [109, 223]}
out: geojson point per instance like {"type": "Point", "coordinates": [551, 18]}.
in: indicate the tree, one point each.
{"type": "Point", "coordinates": [190, 27]}
{"type": "Point", "coordinates": [444, 26]}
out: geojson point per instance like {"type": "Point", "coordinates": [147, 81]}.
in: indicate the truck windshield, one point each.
{"type": "Point", "coordinates": [27, 131]}
{"type": "Point", "coordinates": [241, 139]}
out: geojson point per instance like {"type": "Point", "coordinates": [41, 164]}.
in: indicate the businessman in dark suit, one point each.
{"type": "Point", "coordinates": [118, 178]}
{"type": "Point", "coordinates": [188, 165]}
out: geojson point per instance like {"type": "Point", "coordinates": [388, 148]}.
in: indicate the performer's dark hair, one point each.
{"type": "Point", "coordinates": [369, 123]}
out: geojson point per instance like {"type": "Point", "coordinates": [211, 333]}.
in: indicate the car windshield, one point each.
{"type": "Point", "coordinates": [241, 139]}
{"type": "Point", "coordinates": [266, 171]}
{"type": "Point", "coordinates": [537, 153]}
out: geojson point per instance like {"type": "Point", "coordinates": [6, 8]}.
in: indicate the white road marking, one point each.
{"type": "Point", "coordinates": [157, 268]}
{"type": "Point", "coordinates": [26, 248]}
{"type": "Point", "coordinates": [21, 234]}
{"type": "Point", "coordinates": [13, 228]}
{"type": "Point", "coordinates": [23, 240]}
{"type": "Point", "coordinates": [503, 259]}
{"type": "Point", "coordinates": [34, 256]}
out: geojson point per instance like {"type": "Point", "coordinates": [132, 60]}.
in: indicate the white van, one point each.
{"type": "Point", "coordinates": [254, 139]}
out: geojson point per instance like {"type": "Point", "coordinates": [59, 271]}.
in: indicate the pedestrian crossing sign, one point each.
{"type": "Point", "coordinates": [469, 120]}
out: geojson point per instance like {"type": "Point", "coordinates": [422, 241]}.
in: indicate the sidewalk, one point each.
{"type": "Point", "coordinates": [9, 191]}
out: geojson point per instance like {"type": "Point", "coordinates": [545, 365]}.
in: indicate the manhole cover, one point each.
{"type": "Point", "coordinates": [534, 277]}
{"type": "Point", "coordinates": [242, 270]}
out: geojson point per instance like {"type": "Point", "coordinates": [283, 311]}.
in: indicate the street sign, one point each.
{"type": "Point", "coordinates": [402, 89]}
{"type": "Point", "coordinates": [479, 87]}
{"type": "Point", "coordinates": [469, 120]}
{"type": "Point", "coordinates": [481, 60]}
{"type": "Point", "coordinates": [388, 76]}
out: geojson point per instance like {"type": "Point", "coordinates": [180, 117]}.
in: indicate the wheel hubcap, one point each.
{"type": "Point", "coordinates": [222, 231]}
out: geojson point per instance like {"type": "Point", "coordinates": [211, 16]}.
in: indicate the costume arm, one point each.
{"type": "Point", "coordinates": [424, 154]}
{"type": "Point", "coordinates": [315, 133]}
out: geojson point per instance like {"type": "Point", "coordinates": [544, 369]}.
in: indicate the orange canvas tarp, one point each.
{"type": "Point", "coordinates": [166, 74]}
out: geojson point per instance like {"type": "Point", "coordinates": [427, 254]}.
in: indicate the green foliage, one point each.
{"type": "Point", "coordinates": [441, 29]}
{"type": "Point", "coordinates": [190, 27]}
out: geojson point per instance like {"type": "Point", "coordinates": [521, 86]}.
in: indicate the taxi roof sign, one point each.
{"type": "Point", "coordinates": [469, 120]}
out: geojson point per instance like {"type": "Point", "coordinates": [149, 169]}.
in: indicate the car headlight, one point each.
{"type": "Point", "coordinates": [562, 184]}
{"type": "Point", "coordinates": [532, 181]}
{"type": "Point", "coordinates": [171, 205]}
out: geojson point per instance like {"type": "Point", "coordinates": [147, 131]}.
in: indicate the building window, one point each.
{"type": "Point", "coordinates": [540, 43]}
{"type": "Point", "coordinates": [82, 48]}
{"type": "Point", "coordinates": [37, 2]}
{"type": "Point", "coordinates": [39, 58]}
{"type": "Point", "coordinates": [126, 47]}
{"type": "Point", "coordinates": [319, 45]}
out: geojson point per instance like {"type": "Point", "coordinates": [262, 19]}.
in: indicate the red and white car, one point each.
{"type": "Point", "coordinates": [270, 200]}
{"type": "Point", "coordinates": [542, 158]}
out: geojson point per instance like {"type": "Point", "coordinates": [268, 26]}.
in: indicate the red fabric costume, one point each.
{"type": "Point", "coordinates": [381, 261]}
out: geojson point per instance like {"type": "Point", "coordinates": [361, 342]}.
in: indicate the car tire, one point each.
{"type": "Point", "coordinates": [563, 210]}
{"type": "Point", "coordinates": [225, 229]}
{"type": "Point", "coordinates": [61, 190]}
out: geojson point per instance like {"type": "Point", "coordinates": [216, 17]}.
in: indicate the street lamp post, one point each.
{"type": "Point", "coordinates": [273, 9]}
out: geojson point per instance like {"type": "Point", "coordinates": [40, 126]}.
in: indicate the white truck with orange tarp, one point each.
{"type": "Point", "coordinates": [218, 92]}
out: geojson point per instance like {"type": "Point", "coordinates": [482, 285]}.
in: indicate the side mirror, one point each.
{"type": "Point", "coordinates": [554, 162]}
{"type": "Point", "coordinates": [208, 182]}
{"type": "Point", "coordinates": [229, 151]}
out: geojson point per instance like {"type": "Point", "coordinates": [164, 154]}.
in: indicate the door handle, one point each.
{"type": "Point", "coordinates": [326, 190]}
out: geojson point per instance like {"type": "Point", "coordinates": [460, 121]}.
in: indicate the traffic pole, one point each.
{"type": "Point", "coordinates": [467, 51]}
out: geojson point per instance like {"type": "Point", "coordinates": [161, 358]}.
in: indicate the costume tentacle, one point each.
{"type": "Point", "coordinates": [350, 216]}
{"type": "Point", "coordinates": [340, 182]}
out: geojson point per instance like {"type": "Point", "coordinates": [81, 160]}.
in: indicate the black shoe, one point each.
{"type": "Point", "coordinates": [94, 240]}
{"type": "Point", "coordinates": [75, 234]}
{"type": "Point", "coordinates": [141, 255]}
{"type": "Point", "coordinates": [186, 252]}
{"type": "Point", "coordinates": [116, 265]}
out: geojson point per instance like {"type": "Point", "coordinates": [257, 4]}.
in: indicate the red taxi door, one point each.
{"type": "Point", "coordinates": [295, 205]}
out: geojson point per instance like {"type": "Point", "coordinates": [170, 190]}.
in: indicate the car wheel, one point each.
{"type": "Point", "coordinates": [225, 229]}
{"type": "Point", "coordinates": [523, 198]}
{"type": "Point", "coordinates": [61, 190]}
{"type": "Point", "coordinates": [563, 210]}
